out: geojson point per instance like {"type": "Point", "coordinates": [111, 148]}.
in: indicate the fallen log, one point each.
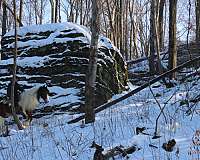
{"type": "Point", "coordinates": [108, 104]}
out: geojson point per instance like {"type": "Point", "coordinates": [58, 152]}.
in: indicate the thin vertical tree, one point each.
{"type": "Point", "coordinates": [20, 9]}
{"type": "Point", "coordinates": [152, 38]}
{"type": "Point", "coordinates": [41, 11]}
{"type": "Point", "coordinates": [4, 19]}
{"type": "Point", "coordinates": [56, 11]}
{"type": "Point", "coordinates": [81, 12]}
{"type": "Point", "coordinates": [121, 27]}
{"type": "Point", "coordinates": [172, 61]}
{"type": "Point", "coordinates": [198, 22]}
{"type": "Point", "coordinates": [160, 23]}
{"type": "Point", "coordinates": [91, 75]}
{"type": "Point", "coordinates": [16, 119]}
{"type": "Point", "coordinates": [52, 3]}
{"type": "Point", "coordinates": [35, 10]}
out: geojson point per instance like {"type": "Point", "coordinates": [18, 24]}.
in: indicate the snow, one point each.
{"type": "Point", "coordinates": [34, 61]}
{"type": "Point", "coordinates": [66, 96]}
{"type": "Point", "coordinates": [52, 138]}
{"type": "Point", "coordinates": [56, 29]}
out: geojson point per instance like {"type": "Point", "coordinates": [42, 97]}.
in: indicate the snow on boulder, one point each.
{"type": "Point", "coordinates": [58, 54]}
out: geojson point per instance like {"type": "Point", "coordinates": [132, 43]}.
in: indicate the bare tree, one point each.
{"type": "Point", "coordinates": [172, 61]}
{"type": "Point", "coordinates": [56, 11]}
{"type": "Point", "coordinates": [91, 76]}
{"type": "Point", "coordinates": [20, 9]}
{"type": "Point", "coordinates": [11, 11]}
{"type": "Point", "coordinates": [160, 22]}
{"type": "Point", "coordinates": [52, 3]}
{"type": "Point", "coordinates": [4, 20]}
{"type": "Point", "coordinates": [16, 119]}
{"type": "Point", "coordinates": [152, 37]}
{"type": "Point", "coordinates": [81, 12]}
{"type": "Point", "coordinates": [198, 22]}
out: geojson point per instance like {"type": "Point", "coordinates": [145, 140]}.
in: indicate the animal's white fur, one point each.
{"type": "Point", "coordinates": [28, 100]}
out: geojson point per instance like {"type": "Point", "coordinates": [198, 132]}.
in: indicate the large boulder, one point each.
{"type": "Point", "coordinates": [57, 54]}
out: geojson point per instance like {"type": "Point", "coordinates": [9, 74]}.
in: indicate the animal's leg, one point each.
{"type": "Point", "coordinates": [25, 114]}
{"type": "Point", "coordinates": [28, 120]}
{"type": "Point", "coordinates": [29, 113]}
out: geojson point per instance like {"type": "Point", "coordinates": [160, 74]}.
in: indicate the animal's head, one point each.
{"type": "Point", "coordinates": [43, 93]}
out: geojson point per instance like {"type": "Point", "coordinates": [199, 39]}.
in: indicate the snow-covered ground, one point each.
{"type": "Point", "coordinates": [52, 138]}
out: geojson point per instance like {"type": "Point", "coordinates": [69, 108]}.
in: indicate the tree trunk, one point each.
{"type": "Point", "coordinates": [41, 11]}
{"type": "Point", "coordinates": [198, 22]}
{"type": "Point", "coordinates": [121, 27]}
{"type": "Point", "coordinates": [126, 31]}
{"type": "Point", "coordinates": [81, 12]}
{"type": "Point", "coordinates": [20, 9]}
{"type": "Point", "coordinates": [71, 14]}
{"type": "Point", "coordinates": [152, 39]}
{"type": "Point", "coordinates": [4, 20]}
{"type": "Point", "coordinates": [59, 11]}
{"type": "Point", "coordinates": [160, 22]}
{"type": "Point", "coordinates": [112, 34]}
{"type": "Point", "coordinates": [56, 11]}
{"type": "Point", "coordinates": [16, 119]}
{"type": "Point", "coordinates": [52, 2]}
{"type": "Point", "coordinates": [172, 61]}
{"type": "Point", "coordinates": [156, 27]}
{"type": "Point", "coordinates": [91, 76]}
{"type": "Point", "coordinates": [35, 9]}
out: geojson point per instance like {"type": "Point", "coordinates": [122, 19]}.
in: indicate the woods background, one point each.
{"type": "Point", "coordinates": [128, 23]}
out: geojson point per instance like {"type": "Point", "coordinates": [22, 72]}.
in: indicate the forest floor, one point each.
{"type": "Point", "coordinates": [51, 137]}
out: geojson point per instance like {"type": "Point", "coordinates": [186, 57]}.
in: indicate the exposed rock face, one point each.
{"type": "Point", "coordinates": [57, 54]}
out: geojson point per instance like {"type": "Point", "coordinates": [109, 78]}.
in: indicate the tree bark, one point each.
{"type": "Point", "coordinates": [41, 11]}
{"type": "Point", "coordinates": [4, 20]}
{"type": "Point", "coordinates": [81, 12]}
{"type": "Point", "coordinates": [35, 9]}
{"type": "Point", "coordinates": [198, 22]}
{"type": "Point", "coordinates": [21, 9]}
{"type": "Point", "coordinates": [172, 61]}
{"type": "Point", "coordinates": [121, 47]}
{"type": "Point", "coordinates": [16, 119]}
{"type": "Point", "coordinates": [126, 31]}
{"type": "Point", "coordinates": [160, 22]}
{"type": "Point", "coordinates": [52, 2]}
{"type": "Point", "coordinates": [112, 37]}
{"type": "Point", "coordinates": [152, 39]}
{"type": "Point", "coordinates": [91, 76]}
{"type": "Point", "coordinates": [56, 11]}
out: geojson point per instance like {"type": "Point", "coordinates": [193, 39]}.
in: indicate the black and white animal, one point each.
{"type": "Point", "coordinates": [28, 101]}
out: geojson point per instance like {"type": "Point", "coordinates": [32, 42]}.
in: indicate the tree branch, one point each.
{"type": "Point", "coordinates": [107, 105]}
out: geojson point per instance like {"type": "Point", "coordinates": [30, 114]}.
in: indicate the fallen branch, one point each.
{"type": "Point", "coordinates": [111, 153]}
{"type": "Point", "coordinates": [107, 105]}
{"type": "Point", "coordinates": [135, 61]}
{"type": "Point", "coordinates": [120, 150]}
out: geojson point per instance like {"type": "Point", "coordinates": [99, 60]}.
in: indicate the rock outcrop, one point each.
{"type": "Point", "coordinates": [57, 54]}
